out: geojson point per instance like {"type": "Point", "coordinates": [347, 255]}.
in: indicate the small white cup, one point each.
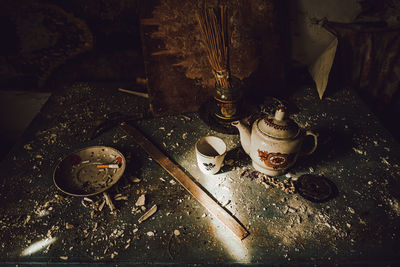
{"type": "Point", "coordinates": [210, 153]}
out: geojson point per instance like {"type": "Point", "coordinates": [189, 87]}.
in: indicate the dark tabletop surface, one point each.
{"type": "Point", "coordinates": [360, 225]}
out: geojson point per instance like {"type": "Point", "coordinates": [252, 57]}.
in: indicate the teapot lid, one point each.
{"type": "Point", "coordinates": [278, 125]}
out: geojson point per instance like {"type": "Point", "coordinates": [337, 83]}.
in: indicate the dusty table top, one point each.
{"type": "Point", "coordinates": [40, 224]}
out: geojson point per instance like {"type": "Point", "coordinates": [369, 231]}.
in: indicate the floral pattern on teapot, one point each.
{"type": "Point", "coordinates": [276, 160]}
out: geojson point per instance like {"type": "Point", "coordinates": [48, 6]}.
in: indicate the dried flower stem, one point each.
{"type": "Point", "coordinates": [214, 32]}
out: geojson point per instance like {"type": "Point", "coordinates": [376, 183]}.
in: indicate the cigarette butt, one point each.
{"type": "Point", "coordinates": [108, 166]}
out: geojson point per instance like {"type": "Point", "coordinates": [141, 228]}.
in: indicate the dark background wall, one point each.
{"type": "Point", "coordinates": [48, 44]}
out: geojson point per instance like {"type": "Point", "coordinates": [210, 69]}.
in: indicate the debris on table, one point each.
{"type": "Point", "coordinates": [226, 203]}
{"type": "Point", "coordinates": [135, 179]}
{"type": "Point", "coordinates": [229, 162]}
{"type": "Point", "coordinates": [120, 197]}
{"type": "Point", "coordinates": [101, 206]}
{"type": "Point", "coordinates": [109, 202]}
{"type": "Point", "coordinates": [359, 151]}
{"type": "Point", "coordinates": [141, 201]}
{"type": "Point", "coordinates": [294, 224]}
{"type": "Point", "coordinates": [351, 210]}
{"type": "Point", "coordinates": [184, 136]}
{"type": "Point", "coordinates": [148, 214]}
{"type": "Point", "coordinates": [150, 233]}
{"type": "Point", "coordinates": [28, 147]}
{"type": "Point", "coordinates": [27, 219]}
{"type": "Point", "coordinates": [112, 256]}
{"type": "Point", "coordinates": [177, 232]}
{"type": "Point", "coordinates": [88, 199]}
{"type": "Point", "coordinates": [287, 186]}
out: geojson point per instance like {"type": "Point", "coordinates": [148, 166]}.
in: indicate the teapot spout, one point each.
{"type": "Point", "coordinates": [244, 132]}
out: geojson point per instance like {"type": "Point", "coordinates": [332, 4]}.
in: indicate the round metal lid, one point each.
{"type": "Point", "coordinates": [316, 188]}
{"type": "Point", "coordinates": [278, 126]}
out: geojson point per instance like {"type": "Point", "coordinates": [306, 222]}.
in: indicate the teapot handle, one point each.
{"type": "Point", "coordinates": [315, 136]}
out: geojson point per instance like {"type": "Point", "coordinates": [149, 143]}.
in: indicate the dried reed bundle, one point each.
{"type": "Point", "coordinates": [214, 32]}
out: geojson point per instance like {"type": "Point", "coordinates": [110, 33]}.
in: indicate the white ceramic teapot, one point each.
{"type": "Point", "coordinates": [274, 142]}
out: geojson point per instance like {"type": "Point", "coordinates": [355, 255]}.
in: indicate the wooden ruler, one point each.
{"type": "Point", "coordinates": [195, 190]}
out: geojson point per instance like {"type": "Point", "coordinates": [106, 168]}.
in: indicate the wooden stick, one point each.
{"type": "Point", "coordinates": [145, 95]}
{"type": "Point", "coordinates": [195, 190]}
